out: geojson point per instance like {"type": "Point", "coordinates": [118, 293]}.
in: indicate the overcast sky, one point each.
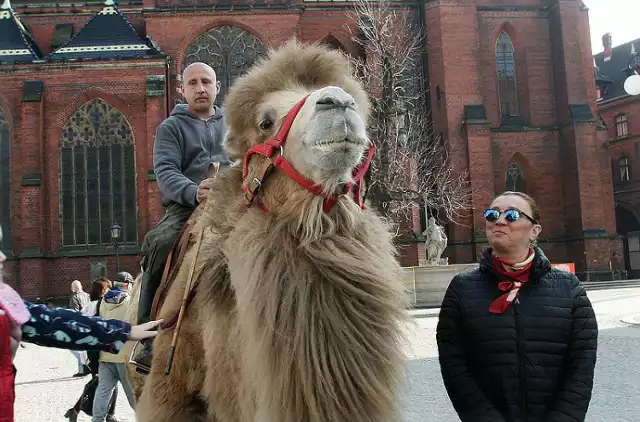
{"type": "Point", "coordinates": [620, 17]}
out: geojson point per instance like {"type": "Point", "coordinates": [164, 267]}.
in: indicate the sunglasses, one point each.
{"type": "Point", "coordinates": [492, 215]}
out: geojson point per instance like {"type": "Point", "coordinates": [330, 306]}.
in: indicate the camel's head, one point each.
{"type": "Point", "coordinates": [328, 137]}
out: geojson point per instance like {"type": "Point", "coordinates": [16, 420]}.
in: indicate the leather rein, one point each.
{"type": "Point", "coordinates": [254, 182]}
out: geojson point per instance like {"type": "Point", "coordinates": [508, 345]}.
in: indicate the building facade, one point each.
{"type": "Point", "coordinates": [620, 114]}
{"type": "Point", "coordinates": [84, 86]}
{"type": "Point", "coordinates": [513, 92]}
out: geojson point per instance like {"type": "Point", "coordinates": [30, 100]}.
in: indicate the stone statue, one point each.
{"type": "Point", "coordinates": [436, 241]}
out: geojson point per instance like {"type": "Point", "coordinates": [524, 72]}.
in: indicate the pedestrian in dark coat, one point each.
{"type": "Point", "coordinates": [517, 338]}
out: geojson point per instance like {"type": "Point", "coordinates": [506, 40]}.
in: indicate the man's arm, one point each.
{"type": "Point", "coordinates": [167, 162]}
{"type": "Point", "coordinates": [572, 400]}
{"type": "Point", "coordinates": [469, 401]}
{"type": "Point", "coordinates": [73, 302]}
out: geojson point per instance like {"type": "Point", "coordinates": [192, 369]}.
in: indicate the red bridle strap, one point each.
{"type": "Point", "coordinates": [253, 185]}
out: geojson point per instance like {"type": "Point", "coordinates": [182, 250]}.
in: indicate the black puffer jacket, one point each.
{"type": "Point", "coordinates": [534, 363]}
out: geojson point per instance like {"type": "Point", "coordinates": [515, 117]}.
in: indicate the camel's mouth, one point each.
{"type": "Point", "coordinates": [340, 142]}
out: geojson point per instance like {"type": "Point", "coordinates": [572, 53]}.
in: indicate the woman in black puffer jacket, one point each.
{"type": "Point", "coordinates": [517, 338]}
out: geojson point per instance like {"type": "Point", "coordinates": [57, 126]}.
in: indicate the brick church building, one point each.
{"type": "Point", "coordinates": [620, 113]}
{"type": "Point", "coordinates": [84, 86]}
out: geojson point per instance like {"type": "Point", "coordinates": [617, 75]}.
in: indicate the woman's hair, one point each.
{"type": "Point", "coordinates": [99, 288]}
{"type": "Point", "coordinates": [535, 209]}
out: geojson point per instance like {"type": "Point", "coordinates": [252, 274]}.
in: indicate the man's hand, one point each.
{"type": "Point", "coordinates": [203, 189]}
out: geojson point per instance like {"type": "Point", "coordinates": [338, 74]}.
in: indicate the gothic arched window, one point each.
{"type": "Point", "coordinates": [515, 178]}
{"type": "Point", "coordinates": [506, 65]}
{"type": "Point", "coordinates": [229, 50]}
{"type": "Point", "coordinates": [97, 176]}
{"type": "Point", "coordinates": [5, 183]}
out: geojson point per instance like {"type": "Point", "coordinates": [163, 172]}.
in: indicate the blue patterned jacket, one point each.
{"type": "Point", "coordinates": [68, 329]}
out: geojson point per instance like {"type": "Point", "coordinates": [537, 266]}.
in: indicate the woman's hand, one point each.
{"type": "Point", "coordinates": [143, 331]}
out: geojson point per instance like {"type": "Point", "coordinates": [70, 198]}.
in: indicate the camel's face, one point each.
{"type": "Point", "coordinates": [328, 137]}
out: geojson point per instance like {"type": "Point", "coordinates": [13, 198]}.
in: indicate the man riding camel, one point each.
{"type": "Point", "coordinates": [186, 145]}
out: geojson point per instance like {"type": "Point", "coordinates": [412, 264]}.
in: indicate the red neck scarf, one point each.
{"type": "Point", "coordinates": [515, 276]}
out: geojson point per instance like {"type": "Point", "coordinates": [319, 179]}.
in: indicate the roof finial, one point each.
{"type": "Point", "coordinates": [106, 3]}
{"type": "Point", "coordinates": [6, 5]}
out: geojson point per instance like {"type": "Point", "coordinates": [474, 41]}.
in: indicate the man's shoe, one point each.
{"type": "Point", "coordinates": [80, 374]}
{"type": "Point", "coordinates": [143, 360]}
{"type": "Point", "coordinates": [72, 415]}
{"type": "Point", "coordinates": [112, 419]}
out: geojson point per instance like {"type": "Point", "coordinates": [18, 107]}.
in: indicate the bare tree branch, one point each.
{"type": "Point", "coordinates": [412, 165]}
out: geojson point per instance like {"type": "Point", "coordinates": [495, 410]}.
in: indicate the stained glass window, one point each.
{"type": "Point", "coordinates": [5, 183]}
{"type": "Point", "coordinates": [97, 176]}
{"type": "Point", "coordinates": [515, 178]}
{"type": "Point", "coordinates": [506, 65]}
{"type": "Point", "coordinates": [229, 50]}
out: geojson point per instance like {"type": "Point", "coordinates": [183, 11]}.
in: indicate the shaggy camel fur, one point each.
{"type": "Point", "coordinates": [298, 312]}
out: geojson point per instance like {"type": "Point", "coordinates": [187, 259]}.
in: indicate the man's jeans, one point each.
{"type": "Point", "coordinates": [81, 357]}
{"type": "Point", "coordinates": [109, 374]}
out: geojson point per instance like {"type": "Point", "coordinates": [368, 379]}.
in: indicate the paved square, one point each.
{"type": "Point", "coordinates": [45, 388]}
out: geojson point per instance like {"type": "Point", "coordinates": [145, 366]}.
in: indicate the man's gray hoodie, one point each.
{"type": "Point", "coordinates": [184, 147]}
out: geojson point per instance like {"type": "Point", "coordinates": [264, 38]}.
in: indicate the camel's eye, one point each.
{"type": "Point", "coordinates": [266, 124]}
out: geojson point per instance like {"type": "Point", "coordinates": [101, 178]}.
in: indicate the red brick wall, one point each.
{"type": "Point", "coordinates": [461, 46]}
{"type": "Point", "coordinates": [565, 170]}
{"type": "Point", "coordinates": [36, 131]}
{"type": "Point", "coordinates": [626, 193]}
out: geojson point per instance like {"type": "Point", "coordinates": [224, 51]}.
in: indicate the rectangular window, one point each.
{"type": "Point", "coordinates": [622, 128]}
{"type": "Point", "coordinates": [625, 171]}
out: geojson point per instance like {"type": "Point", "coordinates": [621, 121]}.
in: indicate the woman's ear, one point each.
{"type": "Point", "coordinates": [537, 229]}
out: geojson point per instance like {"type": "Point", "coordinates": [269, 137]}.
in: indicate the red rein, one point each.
{"type": "Point", "coordinates": [252, 187]}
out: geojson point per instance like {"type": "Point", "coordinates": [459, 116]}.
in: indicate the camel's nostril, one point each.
{"type": "Point", "coordinates": [327, 102]}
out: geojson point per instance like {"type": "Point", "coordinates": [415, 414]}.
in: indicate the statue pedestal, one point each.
{"type": "Point", "coordinates": [427, 285]}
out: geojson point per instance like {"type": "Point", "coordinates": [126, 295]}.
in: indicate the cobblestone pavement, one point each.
{"type": "Point", "coordinates": [45, 388]}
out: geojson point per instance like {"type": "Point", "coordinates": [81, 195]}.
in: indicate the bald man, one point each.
{"type": "Point", "coordinates": [185, 146]}
{"type": "Point", "coordinates": [79, 299]}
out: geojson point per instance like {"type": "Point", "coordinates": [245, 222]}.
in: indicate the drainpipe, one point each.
{"type": "Point", "coordinates": [422, 20]}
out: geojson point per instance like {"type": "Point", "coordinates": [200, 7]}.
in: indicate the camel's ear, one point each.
{"type": "Point", "coordinates": [235, 145]}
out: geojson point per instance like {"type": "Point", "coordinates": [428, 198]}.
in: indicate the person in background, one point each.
{"type": "Point", "coordinates": [98, 289]}
{"type": "Point", "coordinates": [111, 369]}
{"type": "Point", "coordinates": [61, 328]}
{"type": "Point", "coordinates": [517, 338]}
{"type": "Point", "coordinates": [79, 299]}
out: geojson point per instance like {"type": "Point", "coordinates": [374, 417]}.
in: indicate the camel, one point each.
{"type": "Point", "coordinates": [298, 306]}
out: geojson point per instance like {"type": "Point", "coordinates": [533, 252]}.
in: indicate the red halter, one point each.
{"type": "Point", "coordinates": [253, 184]}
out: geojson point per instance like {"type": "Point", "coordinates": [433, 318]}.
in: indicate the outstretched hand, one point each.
{"type": "Point", "coordinates": [144, 331]}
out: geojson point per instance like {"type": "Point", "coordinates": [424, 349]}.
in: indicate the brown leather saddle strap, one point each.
{"type": "Point", "coordinates": [178, 251]}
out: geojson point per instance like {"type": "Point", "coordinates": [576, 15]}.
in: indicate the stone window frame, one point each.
{"type": "Point", "coordinates": [230, 50]}
{"type": "Point", "coordinates": [622, 126]}
{"type": "Point", "coordinates": [97, 177]}
{"type": "Point", "coordinates": [506, 76]}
